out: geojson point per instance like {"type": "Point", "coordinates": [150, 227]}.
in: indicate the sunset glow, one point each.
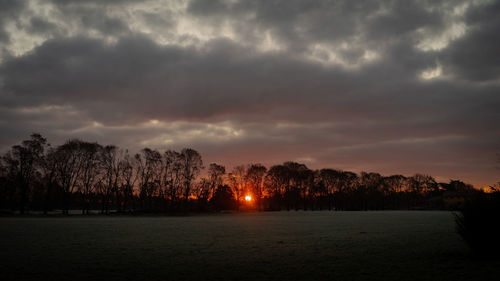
{"type": "Point", "coordinates": [248, 198]}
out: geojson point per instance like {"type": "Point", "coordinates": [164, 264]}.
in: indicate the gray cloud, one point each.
{"type": "Point", "coordinates": [396, 87]}
{"type": "Point", "coordinates": [8, 12]}
{"type": "Point", "coordinates": [476, 55]}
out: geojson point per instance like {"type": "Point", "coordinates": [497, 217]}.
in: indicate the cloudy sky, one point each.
{"type": "Point", "coordinates": [384, 86]}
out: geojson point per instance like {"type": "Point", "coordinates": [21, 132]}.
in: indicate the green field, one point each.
{"type": "Point", "coordinates": [415, 245]}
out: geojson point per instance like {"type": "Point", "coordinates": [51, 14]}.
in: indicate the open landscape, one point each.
{"type": "Point", "coordinates": [374, 245]}
{"type": "Point", "coordinates": [252, 140]}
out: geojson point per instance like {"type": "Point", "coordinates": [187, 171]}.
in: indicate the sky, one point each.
{"type": "Point", "coordinates": [395, 87]}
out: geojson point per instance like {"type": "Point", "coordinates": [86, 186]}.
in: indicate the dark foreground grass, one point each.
{"type": "Point", "coordinates": [251, 246]}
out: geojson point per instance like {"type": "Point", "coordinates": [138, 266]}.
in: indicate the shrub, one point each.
{"type": "Point", "coordinates": [479, 225]}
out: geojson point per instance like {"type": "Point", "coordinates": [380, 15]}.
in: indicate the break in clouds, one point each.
{"type": "Point", "coordinates": [387, 86]}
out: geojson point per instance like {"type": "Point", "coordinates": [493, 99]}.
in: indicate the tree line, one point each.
{"type": "Point", "coordinates": [87, 176]}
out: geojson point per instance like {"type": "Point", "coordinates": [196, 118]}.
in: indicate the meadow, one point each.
{"type": "Point", "coordinates": [376, 245]}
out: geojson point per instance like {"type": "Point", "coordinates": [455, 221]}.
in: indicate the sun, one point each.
{"type": "Point", "coordinates": [248, 198]}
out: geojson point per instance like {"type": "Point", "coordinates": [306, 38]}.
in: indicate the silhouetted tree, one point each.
{"type": "Point", "coordinates": [129, 178]}
{"type": "Point", "coordinates": [35, 176]}
{"type": "Point", "coordinates": [23, 163]}
{"type": "Point", "coordinates": [371, 190]}
{"type": "Point", "coordinates": [49, 178]}
{"type": "Point", "coordinates": [69, 164]}
{"type": "Point", "coordinates": [149, 167]}
{"type": "Point", "coordinates": [457, 186]}
{"type": "Point", "coordinates": [277, 182]}
{"type": "Point", "coordinates": [331, 180]}
{"type": "Point", "coordinates": [397, 186]}
{"type": "Point", "coordinates": [223, 198]}
{"type": "Point", "coordinates": [202, 193]}
{"type": "Point", "coordinates": [237, 183]}
{"type": "Point", "coordinates": [191, 164]}
{"type": "Point", "coordinates": [90, 172]}
{"type": "Point", "coordinates": [347, 188]}
{"type": "Point", "coordinates": [110, 161]}
{"type": "Point", "coordinates": [419, 186]}
{"type": "Point", "coordinates": [215, 176]}
{"type": "Point", "coordinates": [254, 178]}
{"type": "Point", "coordinates": [173, 180]}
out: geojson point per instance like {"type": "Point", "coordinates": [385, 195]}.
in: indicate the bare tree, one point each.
{"type": "Point", "coordinates": [88, 176]}
{"type": "Point", "coordinates": [149, 166]}
{"type": "Point", "coordinates": [68, 168]}
{"type": "Point", "coordinates": [49, 177]}
{"type": "Point", "coordinates": [255, 179]}
{"type": "Point", "coordinates": [202, 192]}
{"type": "Point", "coordinates": [32, 171]}
{"type": "Point", "coordinates": [215, 176]}
{"type": "Point", "coordinates": [111, 166]}
{"type": "Point", "coordinates": [330, 178]}
{"type": "Point", "coordinates": [277, 184]}
{"type": "Point", "coordinates": [191, 164]}
{"type": "Point", "coordinates": [172, 176]}
{"type": "Point", "coordinates": [347, 185]}
{"type": "Point", "coordinates": [237, 183]}
{"type": "Point", "coordinates": [129, 176]}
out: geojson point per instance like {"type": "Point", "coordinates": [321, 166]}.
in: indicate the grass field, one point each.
{"type": "Point", "coordinates": [251, 246]}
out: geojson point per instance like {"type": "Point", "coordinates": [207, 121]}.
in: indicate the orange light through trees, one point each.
{"type": "Point", "coordinates": [248, 198]}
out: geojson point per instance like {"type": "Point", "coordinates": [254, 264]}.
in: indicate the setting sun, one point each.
{"type": "Point", "coordinates": [248, 198]}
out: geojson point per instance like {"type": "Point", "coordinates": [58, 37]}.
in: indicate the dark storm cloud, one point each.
{"type": "Point", "coordinates": [40, 25]}
{"type": "Point", "coordinates": [144, 81]}
{"type": "Point", "coordinates": [9, 10]}
{"type": "Point", "coordinates": [329, 83]}
{"type": "Point", "coordinates": [299, 24]}
{"type": "Point", "coordinates": [476, 56]}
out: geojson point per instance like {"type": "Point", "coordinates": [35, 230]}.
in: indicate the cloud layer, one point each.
{"type": "Point", "coordinates": [395, 87]}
